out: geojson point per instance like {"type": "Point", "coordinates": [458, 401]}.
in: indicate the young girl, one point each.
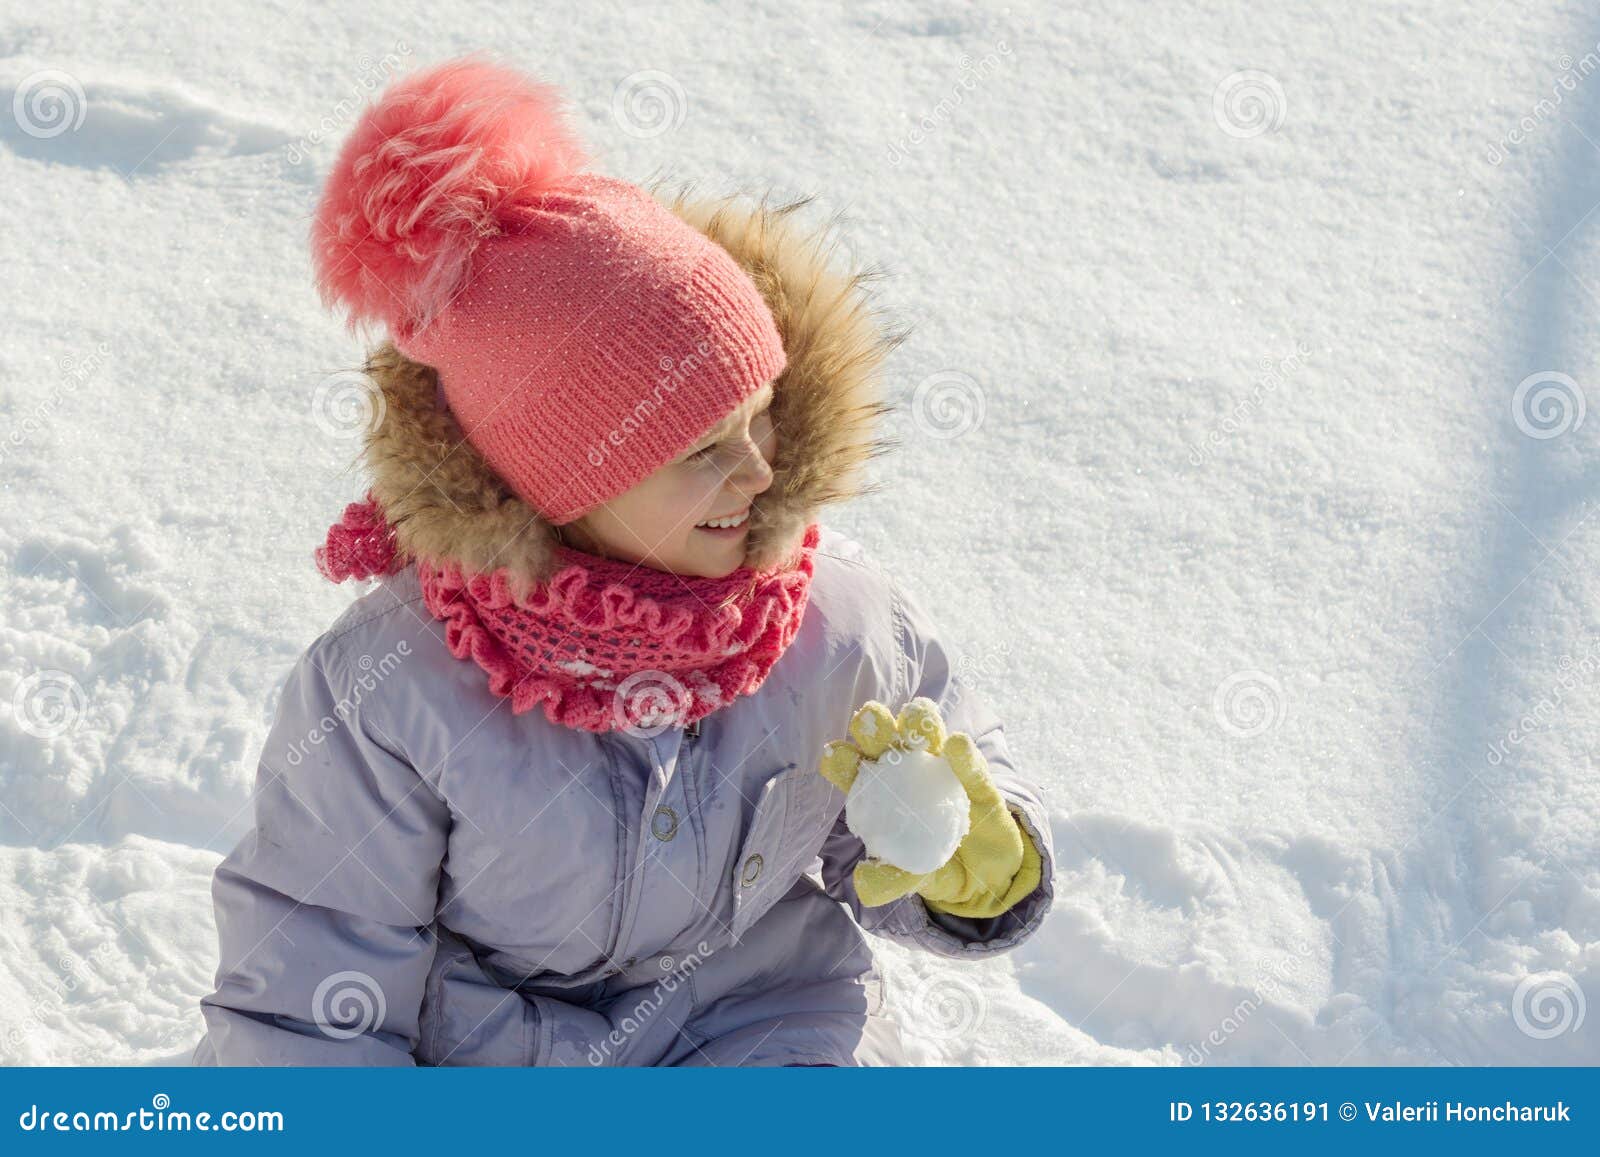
{"type": "Point", "coordinates": [606, 424]}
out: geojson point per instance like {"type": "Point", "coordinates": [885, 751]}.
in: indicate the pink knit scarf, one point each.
{"type": "Point", "coordinates": [602, 645]}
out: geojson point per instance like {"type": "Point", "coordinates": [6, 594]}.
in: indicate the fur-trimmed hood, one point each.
{"type": "Point", "coordinates": [446, 504]}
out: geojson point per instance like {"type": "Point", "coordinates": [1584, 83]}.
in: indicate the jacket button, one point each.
{"type": "Point", "coordinates": [752, 869]}
{"type": "Point", "coordinates": [664, 824]}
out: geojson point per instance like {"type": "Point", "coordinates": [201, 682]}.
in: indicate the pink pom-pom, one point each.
{"type": "Point", "coordinates": [361, 545]}
{"type": "Point", "coordinates": [425, 176]}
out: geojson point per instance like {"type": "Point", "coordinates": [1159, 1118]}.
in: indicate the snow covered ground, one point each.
{"type": "Point", "coordinates": [1243, 447]}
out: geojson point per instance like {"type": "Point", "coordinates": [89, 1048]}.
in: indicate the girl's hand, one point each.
{"type": "Point", "coordinates": [996, 863]}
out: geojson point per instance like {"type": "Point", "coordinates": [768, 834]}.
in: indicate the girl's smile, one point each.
{"type": "Point", "coordinates": [730, 526]}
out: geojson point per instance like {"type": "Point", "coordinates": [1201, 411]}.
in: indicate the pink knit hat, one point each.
{"type": "Point", "coordinates": [583, 333]}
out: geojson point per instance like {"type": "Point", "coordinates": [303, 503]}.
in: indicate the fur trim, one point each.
{"type": "Point", "coordinates": [445, 502]}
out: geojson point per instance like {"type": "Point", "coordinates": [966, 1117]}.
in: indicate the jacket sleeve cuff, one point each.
{"type": "Point", "coordinates": [909, 918]}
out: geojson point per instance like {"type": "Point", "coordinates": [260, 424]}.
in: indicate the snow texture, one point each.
{"type": "Point", "coordinates": [1242, 451]}
{"type": "Point", "coordinates": [909, 808]}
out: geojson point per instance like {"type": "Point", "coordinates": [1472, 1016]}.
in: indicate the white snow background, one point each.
{"type": "Point", "coordinates": [1243, 449]}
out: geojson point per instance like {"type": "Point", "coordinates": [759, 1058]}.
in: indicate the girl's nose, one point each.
{"type": "Point", "coordinates": [753, 474]}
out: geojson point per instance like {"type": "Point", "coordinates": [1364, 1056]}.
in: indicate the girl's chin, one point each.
{"type": "Point", "coordinates": [716, 563]}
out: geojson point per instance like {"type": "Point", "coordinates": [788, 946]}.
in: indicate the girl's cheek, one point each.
{"type": "Point", "coordinates": [699, 494]}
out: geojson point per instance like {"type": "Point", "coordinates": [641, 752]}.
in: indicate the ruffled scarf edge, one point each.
{"type": "Point", "coordinates": [588, 593]}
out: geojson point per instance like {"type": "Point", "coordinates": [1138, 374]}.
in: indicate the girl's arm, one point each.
{"type": "Point", "coordinates": [324, 909]}
{"type": "Point", "coordinates": [928, 666]}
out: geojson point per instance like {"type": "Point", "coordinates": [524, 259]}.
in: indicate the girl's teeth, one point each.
{"type": "Point", "coordinates": [726, 523]}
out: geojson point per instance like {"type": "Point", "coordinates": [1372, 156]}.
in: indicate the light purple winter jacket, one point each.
{"type": "Point", "coordinates": [431, 879]}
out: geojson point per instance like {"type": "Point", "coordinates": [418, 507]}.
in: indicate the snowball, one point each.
{"type": "Point", "coordinates": [909, 808]}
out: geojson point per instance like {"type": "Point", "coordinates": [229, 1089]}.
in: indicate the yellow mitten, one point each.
{"type": "Point", "coordinates": [996, 863]}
